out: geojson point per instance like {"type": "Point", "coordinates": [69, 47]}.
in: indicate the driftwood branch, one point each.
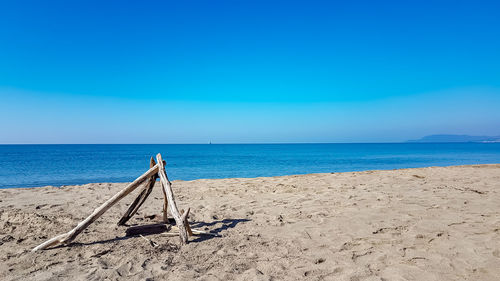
{"type": "Point", "coordinates": [68, 237]}
{"type": "Point", "coordinates": [143, 195]}
{"type": "Point", "coordinates": [151, 242]}
{"type": "Point", "coordinates": [165, 202]}
{"type": "Point", "coordinates": [147, 229]}
{"type": "Point", "coordinates": [167, 187]}
{"type": "Point", "coordinates": [184, 218]}
{"type": "Point", "coordinates": [156, 170]}
{"type": "Point", "coordinates": [196, 232]}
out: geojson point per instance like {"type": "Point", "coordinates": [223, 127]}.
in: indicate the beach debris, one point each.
{"type": "Point", "coordinates": [153, 243]}
{"type": "Point", "coordinates": [143, 195]}
{"type": "Point", "coordinates": [157, 170]}
{"type": "Point", "coordinates": [147, 229]}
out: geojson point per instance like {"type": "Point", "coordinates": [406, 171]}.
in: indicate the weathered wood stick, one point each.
{"type": "Point", "coordinates": [143, 195]}
{"type": "Point", "coordinates": [68, 237]}
{"type": "Point", "coordinates": [197, 232]}
{"type": "Point", "coordinates": [51, 242]}
{"type": "Point", "coordinates": [153, 243]}
{"type": "Point", "coordinates": [167, 186]}
{"type": "Point", "coordinates": [134, 207]}
{"type": "Point", "coordinates": [170, 234]}
{"type": "Point", "coordinates": [147, 229]}
{"type": "Point", "coordinates": [165, 204]}
{"type": "Point", "coordinates": [188, 227]}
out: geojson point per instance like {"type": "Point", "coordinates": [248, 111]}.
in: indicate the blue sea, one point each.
{"type": "Point", "coordinates": [57, 165]}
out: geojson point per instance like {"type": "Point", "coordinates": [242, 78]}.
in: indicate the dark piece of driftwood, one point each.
{"type": "Point", "coordinates": [143, 195]}
{"type": "Point", "coordinates": [188, 227]}
{"type": "Point", "coordinates": [147, 229]}
{"type": "Point", "coordinates": [167, 187]}
{"type": "Point", "coordinates": [68, 237]}
{"type": "Point", "coordinates": [165, 203]}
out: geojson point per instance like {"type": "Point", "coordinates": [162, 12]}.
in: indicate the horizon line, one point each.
{"type": "Point", "coordinates": [236, 143]}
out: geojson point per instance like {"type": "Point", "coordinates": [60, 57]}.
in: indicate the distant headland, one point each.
{"type": "Point", "coordinates": [457, 138]}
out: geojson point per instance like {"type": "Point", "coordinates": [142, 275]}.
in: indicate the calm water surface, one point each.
{"type": "Point", "coordinates": [40, 165]}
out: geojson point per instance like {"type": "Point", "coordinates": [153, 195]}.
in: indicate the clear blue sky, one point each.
{"type": "Point", "coordinates": [247, 71]}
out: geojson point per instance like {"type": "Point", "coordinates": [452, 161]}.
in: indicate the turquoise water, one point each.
{"type": "Point", "coordinates": [40, 165]}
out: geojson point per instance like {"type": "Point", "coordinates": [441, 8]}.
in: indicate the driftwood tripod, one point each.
{"type": "Point", "coordinates": [157, 170]}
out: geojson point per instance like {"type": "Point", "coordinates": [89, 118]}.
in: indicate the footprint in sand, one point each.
{"type": "Point", "coordinates": [496, 253]}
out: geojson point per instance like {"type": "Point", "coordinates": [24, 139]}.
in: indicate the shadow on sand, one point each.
{"type": "Point", "coordinates": [225, 224]}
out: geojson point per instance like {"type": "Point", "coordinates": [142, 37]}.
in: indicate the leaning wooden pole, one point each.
{"type": "Point", "coordinates": [165, 205]}
{"type": "Point", "coordinates": [167, 187]}
{"type": "Point", "coordinates": [143, 195]}
{"type": "Point", "coordinates": [68, 237]}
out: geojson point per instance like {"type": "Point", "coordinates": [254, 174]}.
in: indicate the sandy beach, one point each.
{"type": "Point", "coordinates": [438, 223]}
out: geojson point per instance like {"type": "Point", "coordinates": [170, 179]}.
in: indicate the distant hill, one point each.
{"type": "Point", "coordinates": [457, 138]}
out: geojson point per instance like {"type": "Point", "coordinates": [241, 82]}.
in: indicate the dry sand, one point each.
{"type": "Point", "coordinates": [414, 224]}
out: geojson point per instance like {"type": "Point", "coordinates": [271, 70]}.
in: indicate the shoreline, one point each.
{"type": "Point", "coordinates": [173, 181]}
{"type": "Point", "coordinates": [434, 223]}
